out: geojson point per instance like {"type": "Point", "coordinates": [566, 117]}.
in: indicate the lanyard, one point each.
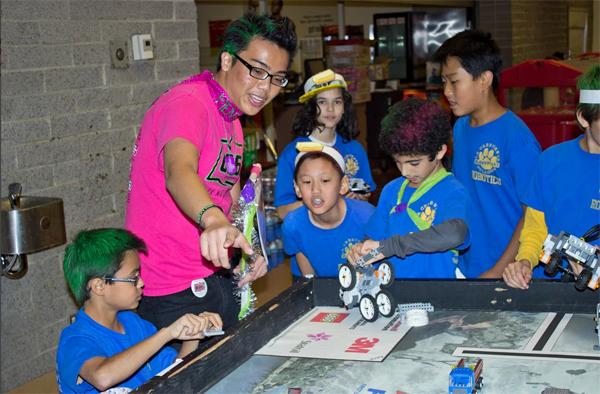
{"type": "Point", "coordinates": [423, 188]}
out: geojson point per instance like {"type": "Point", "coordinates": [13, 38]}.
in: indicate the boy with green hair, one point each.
{"type": "Point", "coordinates": [564, 194]}
{"type": "Point", "coordinates": [108, 345]}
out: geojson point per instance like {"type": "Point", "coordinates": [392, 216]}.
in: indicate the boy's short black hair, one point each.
{"type": "Point", "coordinates": [279, 30]}
{"type": "Point", "coordinates": [476, 51]}
{"type": "Point", "coordinates": [317, 155]}
{"type": "Point", "coordinates": [415, 127]}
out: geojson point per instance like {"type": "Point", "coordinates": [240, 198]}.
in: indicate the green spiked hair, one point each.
{"type": "Point", "coordinates": [239, 33]}
{"type": "Point", "coordinates": [96, 254]}
{"type": "Point", "coordinates": [589, 81]}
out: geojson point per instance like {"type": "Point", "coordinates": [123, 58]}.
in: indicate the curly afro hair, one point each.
{"type": "Point", "coordinates": [415, 127]}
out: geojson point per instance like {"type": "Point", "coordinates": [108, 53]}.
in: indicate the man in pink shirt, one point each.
{"type": "Point", "coordinates": [185, 173]}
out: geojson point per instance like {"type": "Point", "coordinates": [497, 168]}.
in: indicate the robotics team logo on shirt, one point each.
{"type": "Point", "coordinates": [329, 317]}
{"type": "Point", "coordinates": [348, 244]}
{"type": "Point", "coordinates": [487, 160]}
{"type": "Point", "coordinates": [228, 165]}
{"type": "Point", "coordinates": [427, 212]}
{"type": "Point", "coordinates": [352, 165]}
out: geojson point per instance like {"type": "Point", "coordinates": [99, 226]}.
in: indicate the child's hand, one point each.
{"type": "Point", "coordinates": [362, 249]}
{"type": "Point", "coordinates": [190, 326]}
{"type": "Point", "coordinates": [518, 274]}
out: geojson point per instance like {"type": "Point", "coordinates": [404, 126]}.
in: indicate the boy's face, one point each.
{"type": "Point", "coordinates": [592, 132]}
{"type": "Point", "coordinates": [126, 295]}
{"type": "Point", "coordinates": [417, 168]}
{"type": "Point", "coordinates": [319, 185]}
{"type": "Point", "coordinates": [464, 93]}
{"type": "Point", "coordinates": [248, 93]}
{"type": "Point", "coordinates": [331, 106]}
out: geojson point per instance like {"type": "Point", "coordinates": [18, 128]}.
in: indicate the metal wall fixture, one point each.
{"type": "Point", "coordinates": [28, 225]}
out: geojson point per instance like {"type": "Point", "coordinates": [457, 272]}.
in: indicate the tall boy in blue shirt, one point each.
{"type": "Point", "coordinates": [108, 345]}
{"type": "Point", "coordinates": [421, 217]}
{"type": "Point", "coordinates": [494, 151]}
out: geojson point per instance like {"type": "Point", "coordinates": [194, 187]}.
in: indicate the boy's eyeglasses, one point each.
{"type": "Point", "coordinates": [133, 281]}
{"type": "Point", "coordinates": [262, 74]}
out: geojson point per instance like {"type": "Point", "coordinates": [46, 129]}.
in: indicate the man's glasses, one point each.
{"type": "Point", "coordinates": [133, 281]}
{"type": "Point", "coordinates": [262, 74]}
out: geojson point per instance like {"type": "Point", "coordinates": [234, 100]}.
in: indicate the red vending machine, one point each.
{"type": "Point", "coordinates": [544, 95]}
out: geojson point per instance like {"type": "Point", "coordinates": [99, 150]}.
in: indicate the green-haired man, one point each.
{"type": "Point", "coordinates": [186, 168]}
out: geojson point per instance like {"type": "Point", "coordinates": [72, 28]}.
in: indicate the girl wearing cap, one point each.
{"type": "Point", "coordinates": [327, 117]}
{"type": "Point", "coordinates": [564, 193]}
{"type": "Point", "coordinates": [319, 234]}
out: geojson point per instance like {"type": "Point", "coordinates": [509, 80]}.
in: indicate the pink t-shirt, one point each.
{"type": "Point", "coordinates": [186, 111]}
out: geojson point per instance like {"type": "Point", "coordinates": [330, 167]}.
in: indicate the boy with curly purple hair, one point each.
{"type": "Point", "coordinates": [421, 218]}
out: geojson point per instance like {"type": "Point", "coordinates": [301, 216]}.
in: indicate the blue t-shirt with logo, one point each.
{"type": "Point", "coordinates": [325, 249]}
{"type": "Point", "coordinates": [86, 339]}
{"type": "Point", "coordinates": [446, 200]}
{"type": "Point", "coordinates": [355, 158]}
{"type": "Point", "coordinates": [495, 163]}
{"type": "Point", "coordinates": [566, 188]}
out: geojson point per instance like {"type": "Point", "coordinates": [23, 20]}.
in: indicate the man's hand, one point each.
{"type": "Point", "coordinates": [218, 236]}
{"type": "Point", "coordinates": [518, 274]}
{"type": "Point", "coordinates": [258, 269]}
{"type": "Point", "coordinates": [362, 249]}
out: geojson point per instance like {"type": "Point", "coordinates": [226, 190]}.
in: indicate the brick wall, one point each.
{"type": "Point", "coordinates": [494, 16]}
{"type": "Point", "coordinates": [529, 29]}
{"type": "Point", "coordinates": [539, 28]}
{"type": "Point", "coordinates": [68, 124]}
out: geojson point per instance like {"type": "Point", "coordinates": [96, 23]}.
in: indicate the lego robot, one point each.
{"type": "Point", "coordinates": [567, 246]}
{"type": "Point", "coordinates": [466, 379]}
{"type": "Point", "coordinates": [365, 286]}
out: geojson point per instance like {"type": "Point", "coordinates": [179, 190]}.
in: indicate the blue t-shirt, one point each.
{"type": "Point", "coordinates": [355, 158]}
{"type": "Point", "coordinates": [325, 249]}
{"type": "Point", "coordinates": [495, 163]}
{"type": "Point", "coordinates": [86, 339]}
{"type": "Point", "coordinates": [566, 188]}
{"type": "Point", "coordinates": [447, 200]}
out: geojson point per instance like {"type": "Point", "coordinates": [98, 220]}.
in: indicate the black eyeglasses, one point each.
{"type": "Point", "coordinates": [262, 74]}
{"type": "Point", "coordinates": [133, 281]}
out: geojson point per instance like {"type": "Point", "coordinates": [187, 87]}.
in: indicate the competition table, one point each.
{"type": "Point", "coordinates": [539, 340]}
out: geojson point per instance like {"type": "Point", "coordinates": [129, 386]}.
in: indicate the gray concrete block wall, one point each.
{"type": "Point", "coordinates": [68, 122]}
{"type": "Point", "coordinates": [539, 29]}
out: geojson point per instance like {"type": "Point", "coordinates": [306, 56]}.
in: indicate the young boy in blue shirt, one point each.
{"type": "Point", "coordinates": [108, 345]}
{"type": "Point", "coordinates": [421, 218]}
{"type": "Point", "coordinates": [564, 194]}
{"type": "Point", "coordinates": [319, 233]}
{"type": "Point", "coordinates": [494, 151]}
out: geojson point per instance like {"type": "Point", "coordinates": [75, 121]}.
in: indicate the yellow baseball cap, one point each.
{"type": "Point", "coordinates": [324, 80]}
